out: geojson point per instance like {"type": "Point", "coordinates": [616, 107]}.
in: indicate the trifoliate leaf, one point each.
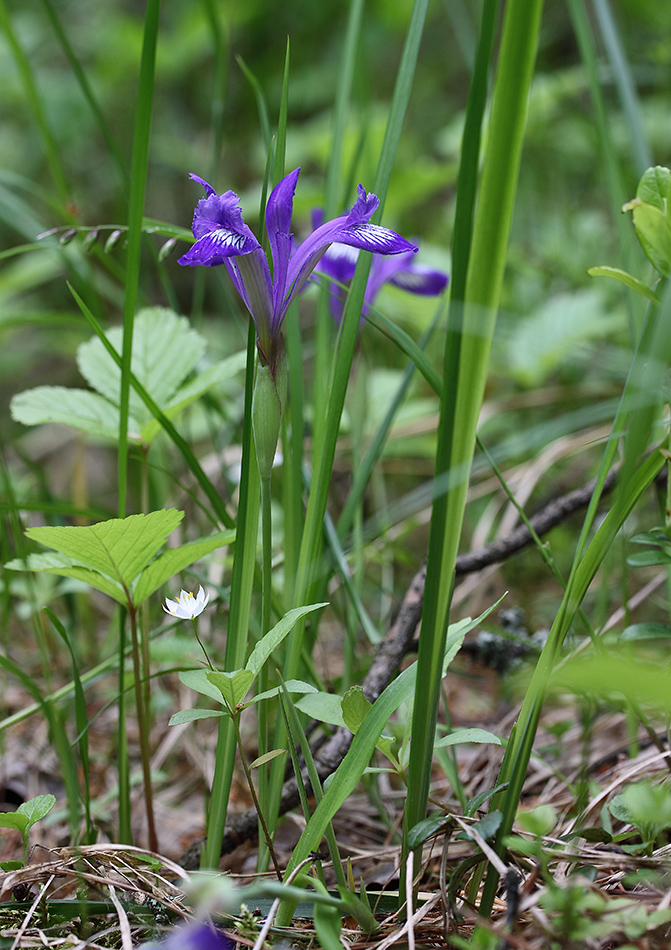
{"type": "Point", "coordinates": [119, 548]}
{"type": "Point", "coordinates": [77, 408]}
{"type": "Point", "coordinates": [165, 351]}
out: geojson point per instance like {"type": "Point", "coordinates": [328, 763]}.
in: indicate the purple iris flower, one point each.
{"type": "Point", "coordinates": [340, 261]}
{"type": "Point", "coordinates": [222, 237]}
{"type": "Point", "coordinates": [193, 936]}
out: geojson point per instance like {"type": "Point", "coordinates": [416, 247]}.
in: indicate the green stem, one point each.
{"type": "Point", "coordinates": [143, 728]}
{"type": "Point", "coordinates": [123, 771]}
{"type": "Point", "coordinates": [269, 844]}
{"type": "Point", "coordinates": [263, 730]}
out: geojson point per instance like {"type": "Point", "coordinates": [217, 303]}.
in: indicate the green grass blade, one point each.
{"type": "Point", "coordinates": [138, 186]}
{"type": "Point", "coordinates": [36, 106]}
{"type": "Point", "coordinates": [87, 92]}
{"type": "Point", "coordinates": [626, 86]}
{"type": "Point", "coordinates": [464, 389]}
{"type": "Point", "coordinates": [242, 580]}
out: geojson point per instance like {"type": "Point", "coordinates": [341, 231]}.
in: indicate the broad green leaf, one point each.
{"type": "Point", "coordinates": [267, 757]}
{"type": "Point", "coordinates": [544, 340]}
{"type": "Point", "coordinates": [173, 560]}
{"type": "Point", "coordinates": [324, 707]}
{"type": "Point", "coordinates": [12, 819]}
{"type": "Point", "coordinates": [53, 563]}
{"type": "Point", "coordinates": [645, 683]}
{"type": "Point", "coordinates": [10, 865]}
{"type": "Point", "coordinates": [646, 631]}
{"type": "Point", "coordinates": [36, 808]}
{"type": "Point", "coordinates": [197, 680]}
{"type": "Point", "coordinates": [77, 408]}
{"type": "Point", "coordinates": [619, 809]}
{"type": "Point", "coordinates": [274, 637]}
{"type": "Point", "coordinates": [194, 389]}
{"type": "Point", "coordinates": [467, 735]}
{"type": "Point", "coordinates": [654, 233]}
{"type": "Point", "coordinates": [654, 536]}
{"type": "Point", "coordinates": [119, 548]}
{"type": "Point", "coordinates": [355, 708]}
{"type": "Point", "coordinates": [165, 351]}
{"type": "Point", "coordinates": [655, 187]}
{"type": "Point", "coordinates": [291, 686]}
{"type": "Point", "coordinates": [191, 715]}
{"type": "Point", "coordinates": [487, 826]}
{"type": "Point", "coordinates": [419, 833]}
{"type": "Point", "coordinates": [232, 686]}
{"type": "Point", "coordinates": [648, 558]}
{"type": "Point", "coordinates": [627, 279]}
{"type": "Point", "coordinates": [539, 821]}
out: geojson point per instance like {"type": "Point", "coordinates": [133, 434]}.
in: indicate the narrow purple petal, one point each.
{"type": "Point", "coordinates": [254, 276]}
{"type": "Point", "coordinates": [209, 190]}
{"type": "Point", "coordinates": [278, 226]}
{"type": "Point", "coordinates": [215, 246]}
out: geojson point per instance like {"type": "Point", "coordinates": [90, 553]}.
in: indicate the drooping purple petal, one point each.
{"type": "Point", "coordinates": [353, 229]}
{"type": "Point", "coordinates": [278, 226]}
{"type": "Point", "coordinates": [420, 279]}
{"type": "Point", "coordinates": [339, 262]}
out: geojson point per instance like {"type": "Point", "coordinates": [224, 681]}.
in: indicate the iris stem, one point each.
{"type": "Point", "coordinates": [263, 732]}
{"type": "Point", "coordinates": [142, 726]}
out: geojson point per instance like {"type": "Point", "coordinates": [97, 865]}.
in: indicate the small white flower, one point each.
{"type": "Point", "coordinates": [186, 606]}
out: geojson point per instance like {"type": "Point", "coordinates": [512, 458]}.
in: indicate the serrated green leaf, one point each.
{"type": "Point", "coordinates": [64, 566]}
{"type": "Point", "coordinates": [12, 819]}
{"type": "Point", "coordinates": [165, 351]}
{"type": "Point", "coordinates": [191, 715]}
{"type": "Point", "coordinates": [197, 680]}
{"type": "Point", "coordinates": [232, 686]}
{"type": "Point", "coordinates": [77, 408]}
{"type": "Point", "coordinates": [267, 757]}
{"type": "Point", "coordinates": [173, 560]}
{"type": "Point", "coordinates": [627, 279]}
{"type": "Point", "coordinates": [467, 735]}
{"type": "Point", "coordinates": [194, 389]}
{"type": "Point", "coordinates": [119, 548]}
{"type": "Point", "coordinates": [274, 637]}
{"type": "Point", "coordinates": [355, 708]}
{"type": "Point", "coordinates": [36, 808]}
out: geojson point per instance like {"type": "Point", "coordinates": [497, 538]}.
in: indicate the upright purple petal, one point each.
{"type": "Point", "coordinates": [364, 207]}
{"type": "Point", "coordinates": [278, 226]}
{"type": "Point", "coordinates": [219, 229]}
{"type": "Point", "coordinates": [209, 190]}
